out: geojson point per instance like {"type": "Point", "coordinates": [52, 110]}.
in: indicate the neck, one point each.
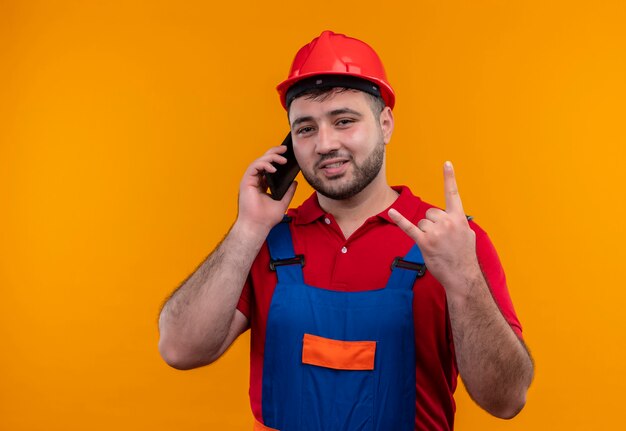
{"type": "Point", "coordinates": [351, 213]}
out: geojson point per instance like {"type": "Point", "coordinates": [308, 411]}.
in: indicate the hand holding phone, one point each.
{"type": "Point", "coordinates": [279, 181]}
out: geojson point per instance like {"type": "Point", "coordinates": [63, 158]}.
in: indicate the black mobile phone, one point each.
{"type": "Point", "coordinates": [279, 181]}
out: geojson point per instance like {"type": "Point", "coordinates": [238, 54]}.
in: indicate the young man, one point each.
{"type": "Point", "coordinates": [350, 330]}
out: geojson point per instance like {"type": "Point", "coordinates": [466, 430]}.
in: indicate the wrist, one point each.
{"type": "Point", "coordinates": [250, 232]}
{"type": "Point", "coordinates": [463, 287]}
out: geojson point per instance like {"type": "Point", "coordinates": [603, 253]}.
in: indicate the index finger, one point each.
{"type": "Point", "coordinates": [453, 199]}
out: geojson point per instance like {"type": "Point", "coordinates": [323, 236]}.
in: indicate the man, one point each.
{"type": "Point", "coordinates": [350, 331]}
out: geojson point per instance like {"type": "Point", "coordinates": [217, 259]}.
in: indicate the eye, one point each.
{"type": "Point", "coordinates": [304, 130]}
{"type": "Point", "coordinates": [344, 122]}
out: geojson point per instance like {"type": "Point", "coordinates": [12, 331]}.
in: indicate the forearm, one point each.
{"type": "Point", "coordinates": [493, 362]}
{"type": "Point", "coordinates": [194, 322]}
{"type": "Point", "coordinates": [199, 320]}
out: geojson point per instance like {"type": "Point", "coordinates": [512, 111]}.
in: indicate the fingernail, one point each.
{"type": "Point", "coordinates": [448, 164]}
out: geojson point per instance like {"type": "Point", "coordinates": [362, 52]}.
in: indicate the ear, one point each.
{"type": "Point", "coordinates": [386, 123]}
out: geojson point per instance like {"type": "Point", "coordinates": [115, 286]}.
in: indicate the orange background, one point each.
{"type": "Point", "coordinates": [124, 130]}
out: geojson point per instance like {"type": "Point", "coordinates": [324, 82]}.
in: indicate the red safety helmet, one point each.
{"type": "Point", "coordinates": [337, 57]}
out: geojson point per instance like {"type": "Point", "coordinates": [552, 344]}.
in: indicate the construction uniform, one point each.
{"type": "Point", "coordinates": [344, 339]}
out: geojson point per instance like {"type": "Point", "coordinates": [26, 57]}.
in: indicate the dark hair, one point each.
{"type": "Point", "coordinates": [377, 104]}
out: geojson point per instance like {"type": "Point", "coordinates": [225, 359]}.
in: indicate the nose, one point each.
{"type": "Point", "coordinates": [327, 141]}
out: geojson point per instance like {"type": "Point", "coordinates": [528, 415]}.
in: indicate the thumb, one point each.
{"type": "Point", "coordinates": [407, 227]}
{"type": "Point", "coordinates": [291, 191]}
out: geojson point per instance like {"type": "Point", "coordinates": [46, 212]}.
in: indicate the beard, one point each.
{"type": "Point", "coordinates": [363, 175]}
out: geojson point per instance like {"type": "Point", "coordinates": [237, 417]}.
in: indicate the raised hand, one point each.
{"type": "Point", "coordinates": [445, 239]}
{"type": "Point", "coordinates": [495, 367]}
{"type": "Point", "coordinates": [257, 209]}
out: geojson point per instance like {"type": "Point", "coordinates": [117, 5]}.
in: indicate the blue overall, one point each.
{"type": "Point", "coordinates": [298, 396]}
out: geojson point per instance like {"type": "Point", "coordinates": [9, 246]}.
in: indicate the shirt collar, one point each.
{"type": "Point", "coordinates": [308, 212]}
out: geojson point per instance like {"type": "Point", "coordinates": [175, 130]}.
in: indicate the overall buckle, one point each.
{"type": "Point", "coordinates": [398, 262]}
{"type": "Point", "coordinates": [297, 259]}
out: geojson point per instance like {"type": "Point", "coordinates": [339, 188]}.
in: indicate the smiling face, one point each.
{"type": "Point", "coordinates": [340, 143]}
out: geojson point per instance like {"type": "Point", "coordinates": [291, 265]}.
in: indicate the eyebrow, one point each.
{"type": "Point", "coordinates": [300, 120]}
{"type": "Point", "coordinates": [333, 113]}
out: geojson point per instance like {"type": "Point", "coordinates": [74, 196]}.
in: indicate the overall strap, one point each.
{"type": "Point", "coordinates": [405, 270]}
{"type": "Point", "coordinates": [283, 260]}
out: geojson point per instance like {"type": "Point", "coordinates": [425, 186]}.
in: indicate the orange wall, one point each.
{"type": "Point", "coordinates": [124, 130]}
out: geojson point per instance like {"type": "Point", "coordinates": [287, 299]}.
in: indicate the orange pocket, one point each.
{"type": "Point", "coordinates": [258, 426]}
{"type": "Point", "coordinates": [340, 355]}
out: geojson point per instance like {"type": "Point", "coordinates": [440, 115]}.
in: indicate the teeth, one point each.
{"type": "Point", "coordinates": [334, 165]}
